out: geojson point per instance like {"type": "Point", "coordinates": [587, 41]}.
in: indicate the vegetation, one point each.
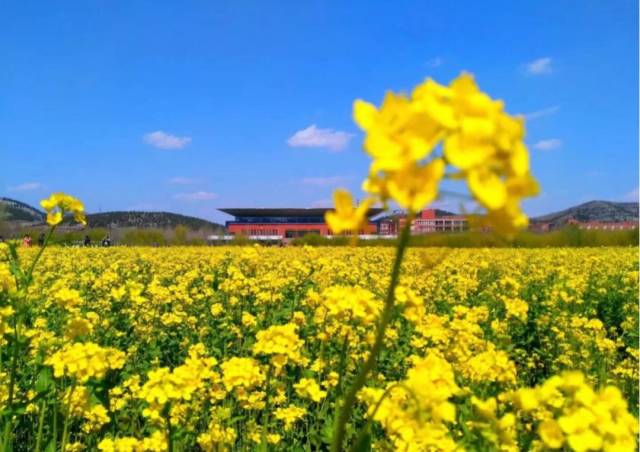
{"type": "Point", "coordinates": [593, 211]}
{"type": "Point", "coordinates": [14, 210]}
{"type": "Point", "coordinates": [212, 347]}
{"type": "Point", "coordinates": [157, 220]}
{"type": "Point", "coordinates": [570, 236]}
{"type": "Point", "coordinates": [308, 349]}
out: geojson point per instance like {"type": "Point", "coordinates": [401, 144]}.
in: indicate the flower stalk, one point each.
{"type": "Point", "coordinates": [370, 363]}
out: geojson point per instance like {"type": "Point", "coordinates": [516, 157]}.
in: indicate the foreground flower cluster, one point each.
{"type": "Point", "coordinates": [234, 348]}
{"type": "Point", "coordinates": [439, 132]}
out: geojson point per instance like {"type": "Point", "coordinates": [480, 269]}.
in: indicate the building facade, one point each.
{"type": "Point", "coordinates": [278, 224]}
{"type": "Point", "coordinates": [427, 221]}
{"type": "Point", "coordinates": [604, 225]}
{"type": "Point", "coordinates": [586, 225]}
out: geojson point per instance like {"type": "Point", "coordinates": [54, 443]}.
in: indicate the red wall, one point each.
{"type": "Point", "coordinates": [245, 228]}
{"type": "Point", "coordinates": [428, 214]}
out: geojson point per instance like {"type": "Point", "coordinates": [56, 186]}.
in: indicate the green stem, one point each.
{"type": "Point", "coordinates": [167, 418]}
{"type": "Point", "coordinates": [12, 380]}
{"type": "Point", "coordinates": [43, 408]}
{"type": "Point", "coordinates": [55, 415]}
{"type": "Point", "coordinates": [37, 258]}
{"type": "Point", "coordinates": [67, 417]}
{"type": "Point", "coordinates": [25, 283]}
{"type": "Point", "coordinates": [343, 363]}
{"type": "Point", "coordinates": [267, 408]}
{"type": "Point", "coordinates": [370, 363]}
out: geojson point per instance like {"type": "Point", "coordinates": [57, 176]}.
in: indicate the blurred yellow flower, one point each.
{"type": "Point", "coordinates": [346, 217]}
{"type": "Point", "coordinates": [58, 204]}
{"type": "Point", "coordinates": [480, 141]}
{"type": "Point", "coordinates": [551, 434]}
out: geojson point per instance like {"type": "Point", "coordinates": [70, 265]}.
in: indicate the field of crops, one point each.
{"type": "Point", "coordinates": [247, 347]}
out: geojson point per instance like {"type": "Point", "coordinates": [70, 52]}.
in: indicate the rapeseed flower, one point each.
{"type": "Point", "coordinates": [58, 204]}
{"type": "Point", "coordinates": [281, 342]}
{"type": "Point", "coordinates": [346, 217]}
{"type": "Point", "coordinates": [467, 314]}
{"type": "Point", "coordinates": [481, 143]}
{"type": "Point", "coordinates": [309, 389]}
{"type": "Point", "coordinates": [289, 415]}
{"type": "Point", "coordinates": [85, 361]}
{"type": "Point", "coordinates": [241, 372]}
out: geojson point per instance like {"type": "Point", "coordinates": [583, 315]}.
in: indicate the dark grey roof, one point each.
{"type": "Point", "coordinates": [286, 212]}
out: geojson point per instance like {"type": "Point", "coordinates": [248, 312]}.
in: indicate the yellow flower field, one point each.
{"type": "Point", "coordinates": [245, 348]}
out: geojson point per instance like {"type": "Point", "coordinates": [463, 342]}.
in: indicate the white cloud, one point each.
{"type": "Point", "coordinates": [542, 113]}
{"type": "Point", "coordinates": [539, 66]}
{"type": "Point", "coordinates": [181, 181]}
{"type": "Point", "coordinates": [27, 186]}
{"type": "Point", "coordinates": [632, 196]}
{"type": "Point", "coordinates": [324, 181]}
{"type": "Point", "coordinates": [434, 62]}
{"type": "Point", "coordinates": [313, 137]}
{"type": "Point", "coordinates": [196, 196]}
{"type": "Point", "coordinates": [548, 145]}
{"type": "Point", "coordinates": [162, 140]}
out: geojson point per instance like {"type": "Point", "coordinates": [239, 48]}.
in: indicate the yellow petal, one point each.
{"type": "Point", "coordinates": [551, 434]}
{"type": "Point", "coordinates": [80, 217]}
{"type": "Point", "coordinates": [487, 188]}
{"type": "Point", "coordinates": [465, 153]}
{"type": "Point", "coordinates": [342, 200]}
{"type": "Point", "coordinates": [519, 159]}
{"type": "Point", "coordinates": [475, 128]}
{"type": "Point", "coordinates": [364, 114]}
{"type": "Point", "coordinates": [464, 84]}
{"type": "Point", "coordinates": [54, 218]}
{"type": "Point", "coordinates": [523, 186]}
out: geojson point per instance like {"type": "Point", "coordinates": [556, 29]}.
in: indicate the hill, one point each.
{"type": "Point", "coordinates": [13, 210]}
{"type": "Point", "coordinates": [606, 211]}
{"type": "Point", "coordinates": [160, 220]}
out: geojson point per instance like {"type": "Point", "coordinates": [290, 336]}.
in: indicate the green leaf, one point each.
{"type": "Point", "coordinates": [327, 431]}
{"type": "Point", "coordinates": [44, 381]}
{"type": "Point", "coordinates": [51, 447]}
{"type": "Point", "coordinates": [363, 444]}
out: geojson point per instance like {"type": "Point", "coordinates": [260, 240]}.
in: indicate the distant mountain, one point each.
{"type": "Point", "coordinates": [20, 212]}
{"type": "Point", "coordinates": [148, 220]}
{"type": "Point", "coordinates": [12, 210]}
{"type": "Point", "coordinates": [606, 211]}
{"type": "Point", "coordinates": [444, 213]}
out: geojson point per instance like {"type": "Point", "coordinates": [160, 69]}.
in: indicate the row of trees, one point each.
{"type": "Point", "coordinates": [570, 236]}
{"type": "Point", "coordinates": [179, 235]}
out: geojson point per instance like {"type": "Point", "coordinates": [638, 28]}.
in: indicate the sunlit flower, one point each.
{"type": "Point", "coordinates": [58, 204]}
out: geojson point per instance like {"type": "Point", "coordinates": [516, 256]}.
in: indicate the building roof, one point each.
{"type": "Point", "coordinates": [287, 212]}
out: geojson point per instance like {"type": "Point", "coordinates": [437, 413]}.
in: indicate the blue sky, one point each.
{"type": "Point", "coordinates": [188, 106]}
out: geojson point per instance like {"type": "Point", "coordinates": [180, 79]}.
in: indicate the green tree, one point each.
{"type": "Point", "coordinates": [180, 235]}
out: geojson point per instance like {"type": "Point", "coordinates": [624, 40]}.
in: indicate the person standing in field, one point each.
{"type": "Point", "coordinates": [26, 241]}
{"type": "Point", "coordinates": [87, 240]}
{"type": "Point", "coordinates": [41, 239]}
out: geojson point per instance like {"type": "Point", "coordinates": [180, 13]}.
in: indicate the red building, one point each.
{"type": "Point", "coordinates": [587, 225]}
{"type": "Point", "coordinates": [275, 224]}
{"type": "Point", "coordinates": [426, 222]}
